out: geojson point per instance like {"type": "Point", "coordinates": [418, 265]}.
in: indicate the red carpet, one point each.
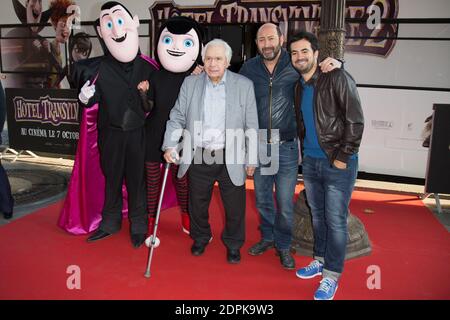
{"type": "Point", "coordinates": [410, 247]}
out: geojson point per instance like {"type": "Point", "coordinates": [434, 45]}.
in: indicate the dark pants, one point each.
{"type": "Point", "coordinates": [122, 157]}
{"type": "Point", "coordinates": [328, 191]}
{"type": "Point", "coordinates": [6, 199]}
{"type": "Point", "coordinates": [201, 183]}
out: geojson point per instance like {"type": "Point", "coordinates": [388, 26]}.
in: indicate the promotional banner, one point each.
{"type": "Point", "coordinates": [43, 56]}
{"type": "Point", "coordinates": [45, 120]}
{"type": "Point", "coordinates": [288, 15]}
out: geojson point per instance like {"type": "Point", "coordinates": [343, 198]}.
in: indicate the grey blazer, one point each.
{"type": "Point", "coordinates": [240, 113]}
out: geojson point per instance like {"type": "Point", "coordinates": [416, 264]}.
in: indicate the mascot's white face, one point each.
{"type": "Point", "coordinates": [120, 33]}
{"type": "Point", "coordinates": [178, 52]}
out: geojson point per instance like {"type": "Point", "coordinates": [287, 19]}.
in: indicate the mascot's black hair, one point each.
{"type": "Point", "coordinates": [110, 4]}
{"type": "Point", "coordinates": [182, 25]}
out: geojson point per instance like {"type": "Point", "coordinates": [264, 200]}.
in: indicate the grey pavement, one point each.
{"type": "Point", "coordinates": [36, 182]}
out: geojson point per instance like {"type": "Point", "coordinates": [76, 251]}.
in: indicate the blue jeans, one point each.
{"type": "Point", "coordinates": [276, 221]}
{"type": "Point", "coordinates": [328, 192]}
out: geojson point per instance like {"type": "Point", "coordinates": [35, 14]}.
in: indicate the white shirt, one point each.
{"type": "Point", "coordinates": [213, 124]}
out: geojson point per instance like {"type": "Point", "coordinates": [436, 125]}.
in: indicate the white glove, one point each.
{"type": "Point", "coordinates": [86, 92]}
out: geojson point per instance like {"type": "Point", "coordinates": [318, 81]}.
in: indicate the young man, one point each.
{"type": "Point", "coordinates": [330, 126]}
{"type": "Point", "coordinates": [274, 79]}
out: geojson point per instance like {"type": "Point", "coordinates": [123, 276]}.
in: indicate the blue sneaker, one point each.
{"type": "Point", "coordinates": [327, 289]}
{"type": "Point", "coordinates": [313, 270]}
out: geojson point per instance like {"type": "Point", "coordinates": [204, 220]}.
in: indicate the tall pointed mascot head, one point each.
{"type": "Point", "coordinates": [119, 31]}
{"type": "Point", "coordinates": [180, 43]}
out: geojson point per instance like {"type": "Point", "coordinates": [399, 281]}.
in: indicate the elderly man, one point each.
{"type": "Point", "coordinates": [212, 112]}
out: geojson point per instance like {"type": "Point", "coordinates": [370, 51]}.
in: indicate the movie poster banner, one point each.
{"type": "Point", "coordinates": [289, 14]}
{"type": "Point", "coordinates": [43, 120]}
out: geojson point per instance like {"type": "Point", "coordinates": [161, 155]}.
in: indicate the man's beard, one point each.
{"type": "Point", "coordinates": [307, 68]}
{"type": "Point", "coordinates": [273, 53]}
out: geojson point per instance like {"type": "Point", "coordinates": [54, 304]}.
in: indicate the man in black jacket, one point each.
{"type": "Point", "coordinates": [330, 126]}
{"type": "Point", "coordinates": [274, 79]}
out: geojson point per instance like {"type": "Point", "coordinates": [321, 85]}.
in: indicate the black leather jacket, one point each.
{"type": "Point", "coordinates": [339, 118]}
{"type": "Point", "coordinates": [274, 94]}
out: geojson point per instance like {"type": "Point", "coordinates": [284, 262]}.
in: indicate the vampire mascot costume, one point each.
{"type": "Point", "coordinates": [121, 120]}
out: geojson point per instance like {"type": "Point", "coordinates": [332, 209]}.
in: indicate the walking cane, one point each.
{"type": "Point", "coordinates": [153, 241]}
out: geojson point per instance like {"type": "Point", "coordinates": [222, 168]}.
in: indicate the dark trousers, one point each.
{"type": "Point", "coordinates": [122, 155]}
{"type": "Point", "coordinates": [6, 199]}
{"type": "Point", "coordinates": [201, 183]}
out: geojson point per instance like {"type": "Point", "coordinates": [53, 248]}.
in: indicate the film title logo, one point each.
{"type": "Point", "coordinates": [46, 110]}
{"type": "Point", "coordinates": [293, 15]}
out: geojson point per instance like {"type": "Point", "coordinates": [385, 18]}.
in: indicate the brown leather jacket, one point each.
{"type": "Point", "coordinates": [338, 114]}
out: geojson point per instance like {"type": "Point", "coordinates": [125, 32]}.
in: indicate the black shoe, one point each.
{"type": "Point", "coordinates": [7, 215]}
{"type": "Point", "coordinates": [197, 248]}
{"type": "Point", "coordinates": [233, 256]}
{"type": "Point", "coordinates": [286, 259]}
{"type": "Point", "coordinates": [260, 248]}
{"type": "Point", "coordinates": [98, 235]}
{"type": "Point", "coordinates": [138, 239]}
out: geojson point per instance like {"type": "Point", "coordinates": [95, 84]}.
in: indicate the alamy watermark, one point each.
{"type": "Point", "coordinates": [374, 280]}
{"type": "Point", "coordinates": [250, 147]}
{"type": "Point", "coordinates": [73, 282]}
{"type": "Point", "coordinates": [74, 19]}
{"type": "Point", "coordinates": [374, 18]}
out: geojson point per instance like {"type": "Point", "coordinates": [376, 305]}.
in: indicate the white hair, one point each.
{"type": "Point", "coordinates": [219, 42]}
